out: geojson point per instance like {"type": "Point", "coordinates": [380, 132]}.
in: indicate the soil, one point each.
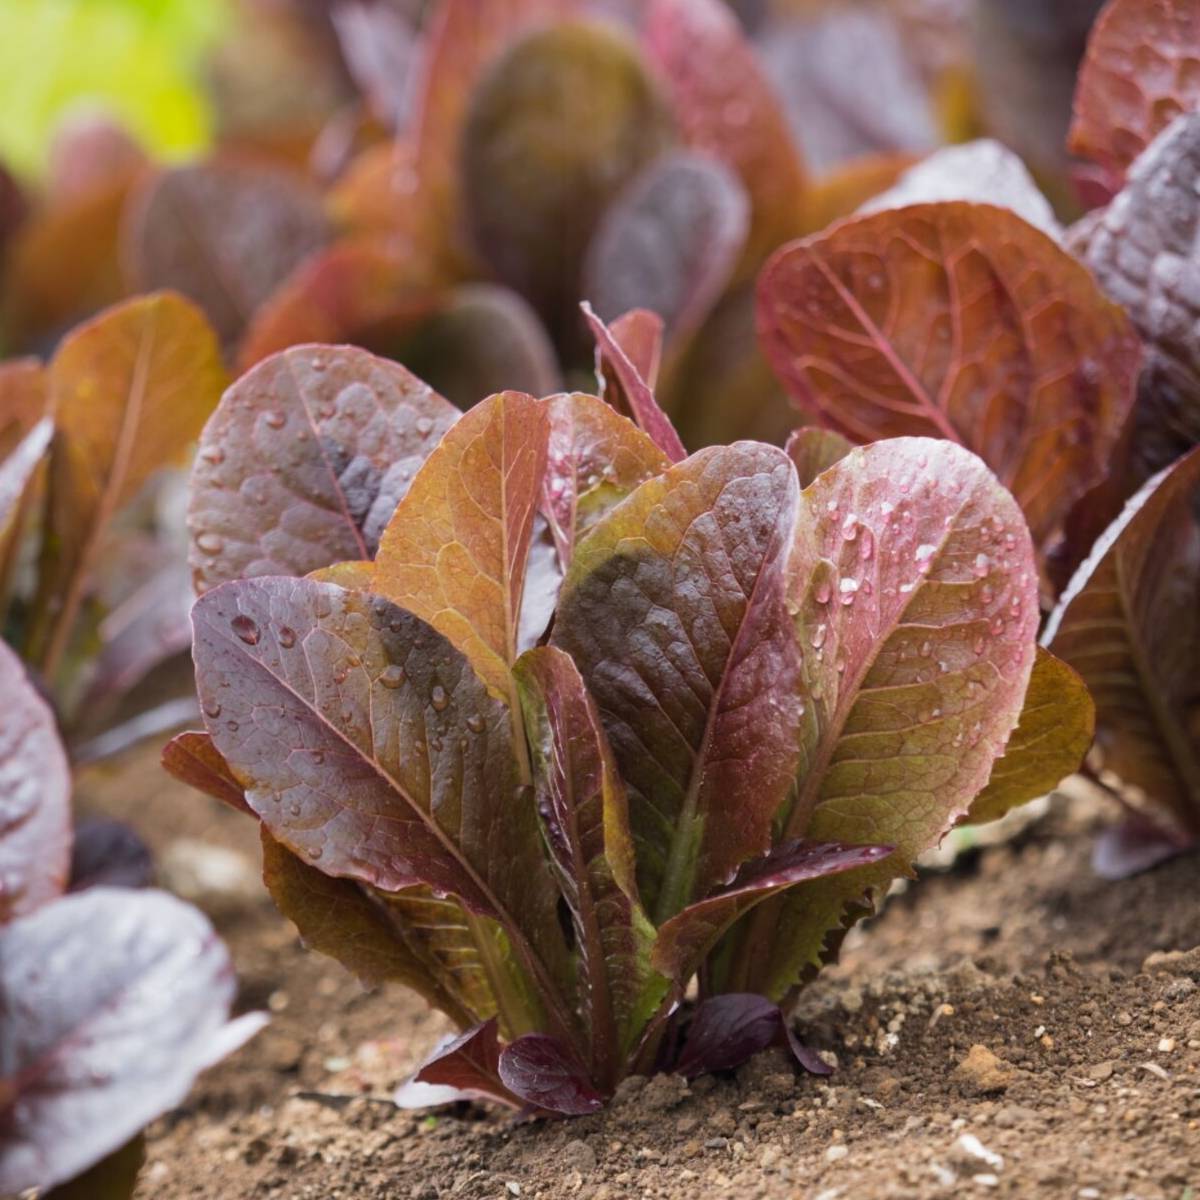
{"type": "Point", "coordinates": [1012, 1027]}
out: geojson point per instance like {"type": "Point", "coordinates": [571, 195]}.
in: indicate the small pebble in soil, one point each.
{"type": "Point", "coordinates": [836, 1153]}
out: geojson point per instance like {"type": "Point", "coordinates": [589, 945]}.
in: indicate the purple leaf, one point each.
{"type": "Point", "coordinates": [633, 392]}
{"type": "Point", "coordinates": [536, 1069]}
{"type": "Point", "coordinates": [729, 1029]}
{"type": "Point", "coordinates": [304, 461]}
{"type": "Point", "coordinates": [113, 1002]}
{"type": "Point", "coordinates": [1134, 846]}
{"type": "Point", "coordinates": [685, 940]}
{"type": "Point", "coordinates": [464, 1068]}
{"type": "Point", "coordinates": [35, 796]}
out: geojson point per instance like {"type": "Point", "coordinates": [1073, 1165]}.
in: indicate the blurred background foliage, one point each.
{"type": "Point", "coordinates": [137, 61]}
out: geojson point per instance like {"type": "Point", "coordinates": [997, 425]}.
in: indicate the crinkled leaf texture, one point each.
{"type": "Point", "coordinates": [113, 1002]}
{"type": "Point", "coordinates": [304, 461]}
{"type": "Point", "coordinates": [1129, 623]}
{"type": "Point", "coordinates": [1140, 71]}
{"type": "Point", "coordinates": [914, 595]}
{"type": "Point", "coordinates": [673, 610]}
{"type": "Point", "coordinates": [366, 743]}
{"type": "Point", "coordinates": [959, 321]}
{"type": "Point", "coordinates": [35, 797]}
{"type": "Point", "coordinates": [1143, 251]}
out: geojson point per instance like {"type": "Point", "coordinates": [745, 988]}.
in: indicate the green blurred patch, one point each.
{"type": "Point", "coordinates": [137, 60]}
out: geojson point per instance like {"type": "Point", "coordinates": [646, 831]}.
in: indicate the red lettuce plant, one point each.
{"type": "Point", "coordinates": [111, 1000]}
{"type": "Point", "coordinates": [83, 436]}
{"type": "Point", "coordinates": [584, 719]}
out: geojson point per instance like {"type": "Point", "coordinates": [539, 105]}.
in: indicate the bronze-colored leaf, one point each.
{"type": "Point", "coordinates": [1057, 723]}
{"type": "Point", "coordinates": [959, 321]}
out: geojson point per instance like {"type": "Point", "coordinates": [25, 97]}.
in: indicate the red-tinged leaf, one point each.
{"type": "Point", "coordinates": [463, 39]}
{"type": "Point", "coordinates": [371, 933]}
{"type": "Point", "coordinates": [959, 321]}
{"type": "Point", "coordinates": [130, 391]}
{"type": "Point", "coordinates": [485, 339]}
{"type": "Point", "coordinates": [35, 797]}
{"type": "Point", "coordinates": [673, 610]}
{"type": "Point", "coordinates": [376, 196]}
{"type": "Point", "coordinates": [685, 940]}
{"type": "Point", "coordinates": [367, 745]}
{"type": "Point", "coordinates": [639, 333]}
{"type": "Point", "coordinates": [538, 1070]}
{"type": "Point", "coordinates": [534, 188]}
{"type": "Point", "coordinates": [225, 235]}
{"type": "Point", "coordinates": [813, 450]}
{"type": "Point", "coordinates": [1142, 251]}
{"type": "Point", "coordinates": [585, 819]}
{"type": "Point", "coordinates": [357, 576]}
{"type": "Point", "coordinates": [628, 392]}
{"type": "Point", "coordinates": [820, 63]}
{"type": "Point", "coordinates": [193, 759]}
{"type": "Point", "coordinates": [1140, 71]}
{"type": "Point", "coordinates": [303, 462]}
{"type": "Point", "coordinates": [108, 853]}
{"type": "Point", "coordinates": [454, 553]}
{"type": "Point", "coordinates": [982, 172]}
{"type": "Point", "coordinates": [465, 1068]}
{"type": "Point", "coordinates": [1129, 623]}
{"type": "Point", "coordinates": [727, 1030]}
{"type": "Point", "coordinates": [727, 108]}
{"type": "Point", "coordinates": [1134, 846]}
{"type": "Point", "coordinates": [595, 459]}
{"type": "Point", "coordinates": [915, 596]}
{"type": "Point", "coordinates": [83, 981]}
{"type": "Point", "coordinates": [669, 243]}
{"type": "Point", "coordinates": [1056, 727]}
{"type": "Point", "coordinates": [357, 291]}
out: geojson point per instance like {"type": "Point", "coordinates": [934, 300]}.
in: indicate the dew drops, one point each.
{"type": "Point", "coordinates": [275, 419]}
{"type": "Point", "coordinates": [213, 454]}
{"type": "Point", "coordinates": [317, 364]}
{"type": "Point", "coordinates": [209, 543]}
{"type": "Point", "coordinates": [393, 676]}
{"type": "Point", "coordinates": [314, 852]}
{"type": "Point", "coordinates": [926, 649]}
{"type": "Point", "coordinates": [924, 557]}
{"type": "Point", "coordinates": [438, 697]}
{"type": "Point", "coordinates": [997, 626]}
{"type": "Point", "coordinates": [987, 593]}
{"type": "Point", "coordinates": [246, 629]}
{"type": "Point", "coordinates": [848, 587]}
{"type": "Point", "coordinates": [232, 726]}
{"type": "Point", "coordinates": [850, 527]}
{"type": "Point", "coordinates": [475, 723]}
{"type": "Point", "coordinates": [212, 709]}
{"type": "Point", "coordinates": [287, 636]}
{"type": "Point", "coordinates": [840, 664]}
{"type": "Point", "coordinates": [983, 565]}
{"type": "Point", "coordinates": [294, 808]}
{"type": "Point", "coordinates": [822, 592]}
{"type": "Point", "coordinates": [978, 646]}
{"type": "Point", "coordinates": [318, 757]}
{"type": "Point", "coordinates": [866, 546]}
{"type": "Point", "coordinates": [424, 426]}
{"type": "Point", "coordinates": [818, 636]}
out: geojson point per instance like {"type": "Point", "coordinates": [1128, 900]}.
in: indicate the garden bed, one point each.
{"type": "Point", "coordinates": [1087, 1084]}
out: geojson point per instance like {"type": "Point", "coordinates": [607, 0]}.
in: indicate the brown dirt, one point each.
{"type": "Point", "coordinates": [1011, 1028]}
